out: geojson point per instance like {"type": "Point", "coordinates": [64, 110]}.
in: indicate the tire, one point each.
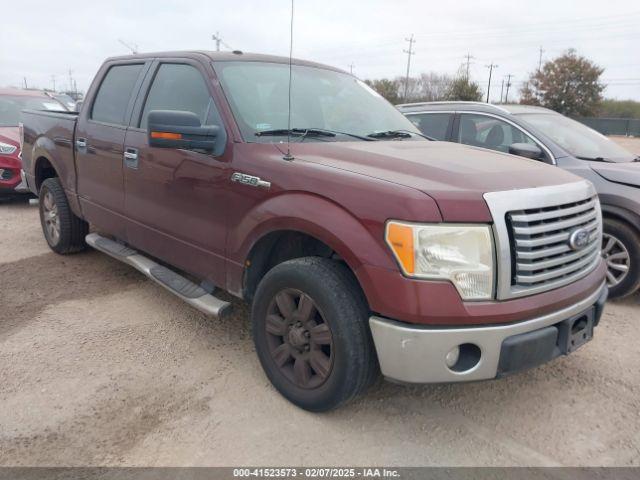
{"type": "Point", "coordinates": [620, 240]}
{"type": "Point", "coordinates": [334, 366]}
{"type": "Point", "coordinates": [62, 229]}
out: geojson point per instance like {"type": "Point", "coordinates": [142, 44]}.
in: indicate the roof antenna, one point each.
{"type": "Point", "coordinates": [288, 157]}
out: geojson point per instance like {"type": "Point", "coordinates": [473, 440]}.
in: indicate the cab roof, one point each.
{"type": "Point", "coordinates": [235, 56]}
{"type": "Point", "coordinates": [504, 109]}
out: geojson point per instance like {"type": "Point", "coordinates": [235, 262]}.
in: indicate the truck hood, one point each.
{"type": "Point", "coordinates": [625, 173]}
{"type": "Point", "coordinates": [455, 176]}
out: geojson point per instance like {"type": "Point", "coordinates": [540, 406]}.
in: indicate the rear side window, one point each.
{"type": "Point", "coordinates": [115, 91]}
{"type": "Point", "coordinates": [434, 125]}
{"type": "Point", "coordinates": [180, 87]}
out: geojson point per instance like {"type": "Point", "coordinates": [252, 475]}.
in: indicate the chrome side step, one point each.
{"type": "Point", "coordinates": [188, 291]}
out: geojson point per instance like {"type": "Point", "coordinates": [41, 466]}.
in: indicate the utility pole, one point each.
{"type": "Point", "coordinates": [501, 90]}
{"type": "Point", "coordinates": [70, 80]}
{"type": "Point", "coordinates": [216, 37]}
{"type": "Point", "coordinates": [409, 53]}
{"type": "Point", "coordinates": [25, 83]}
{"type": "Point", "coordinates": [351, 65]}
{"type": "Point", "coordinates": [540, 59]}
{"type": "Point", "coordinates": [491, 66]}
{"type": "Point", "coordinates": [53, 80]}
{"type": "Point", "coordinates": [506, 96]}
{"type": "Point", "coordinates": [468, 56]}
{"type": "Point", "coordinates": [219, 42]}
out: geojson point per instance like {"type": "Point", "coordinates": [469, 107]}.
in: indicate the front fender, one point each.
{"type": "Point", "coordinates": [315, 216]}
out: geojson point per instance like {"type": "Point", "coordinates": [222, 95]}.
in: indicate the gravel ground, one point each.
{"type": "Point", "coordinates": [100, 366]}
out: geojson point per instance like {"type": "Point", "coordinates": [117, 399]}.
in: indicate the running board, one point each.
{"type": "Point", "coordinates": [188, 291]}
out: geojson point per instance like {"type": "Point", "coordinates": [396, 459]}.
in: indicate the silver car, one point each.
{"type": "Point", "coordinates": [547, 136]}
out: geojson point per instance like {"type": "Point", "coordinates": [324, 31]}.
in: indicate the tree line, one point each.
{"type": "Point", "coordinates": [569, 84]}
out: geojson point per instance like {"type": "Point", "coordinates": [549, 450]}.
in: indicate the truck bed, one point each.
{"type": "Point", "coordinates": [49, 135]}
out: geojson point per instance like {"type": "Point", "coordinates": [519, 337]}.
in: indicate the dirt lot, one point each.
{"type": "Point", "coordinates": [630, 143]}
{"type": "Point", "coordinates": [100, 366]}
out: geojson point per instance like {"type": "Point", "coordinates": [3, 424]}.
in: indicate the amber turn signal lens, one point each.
{"type": "Point", "coordinates": [400, 239]}
{"type": "Point", "coordinates": [167, 135]}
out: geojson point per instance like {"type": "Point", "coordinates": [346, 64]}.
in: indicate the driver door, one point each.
{"type": "Point", "coordinates": [174, 198]}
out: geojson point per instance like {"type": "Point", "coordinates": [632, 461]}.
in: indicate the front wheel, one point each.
{"type": "Point", "coordinates": [621, 251]}
{"type": "Point", "coordinates": [311, 332]}
{"type": "Point", "coordinates": [62, 229]}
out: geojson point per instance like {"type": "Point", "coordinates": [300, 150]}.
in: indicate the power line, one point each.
{"type": "Point", "coordinates": [409, 53]}
{"type": "Point", "coordinates": [491, 66]}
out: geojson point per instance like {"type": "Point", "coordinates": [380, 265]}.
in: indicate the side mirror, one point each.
{"type": "Point", "coordinates": [525, 150]}
{"type": "Point", "coordinates": [178, 129]}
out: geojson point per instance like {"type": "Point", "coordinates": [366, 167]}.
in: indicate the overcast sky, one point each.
{"type": "Point", "coordinates": [39, 39]}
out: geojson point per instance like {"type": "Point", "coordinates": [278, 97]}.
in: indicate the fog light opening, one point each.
{"type": "Point", "coordinates": [463, 357]}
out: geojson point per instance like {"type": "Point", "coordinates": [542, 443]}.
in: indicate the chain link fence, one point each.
{"type": "Point", "coordinates": [613, 126]}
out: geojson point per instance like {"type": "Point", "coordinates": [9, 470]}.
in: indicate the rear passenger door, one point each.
{"type": "Point", "coordinates": [99, 138]}
{"type": "Point", "coordinates": [175, 199]}
{"type": "Point", "coordinates": [437, 125]}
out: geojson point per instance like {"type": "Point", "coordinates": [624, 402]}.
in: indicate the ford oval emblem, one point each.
{"type": "Point", "coordinates": [579, 238]}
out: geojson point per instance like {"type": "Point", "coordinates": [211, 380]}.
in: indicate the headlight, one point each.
{"type": "Point", "coordinates": [462, 254]}
{"type": "Point", "coordinates": [6, 149]}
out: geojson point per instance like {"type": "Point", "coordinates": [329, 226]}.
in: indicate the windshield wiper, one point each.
{"type": "Point", "coordinates": [295, 132]}
{"type": "Point", "coordinates": [308, 132]}
{"type": "Point", "coordinates": [593, 159]}
{"type": "Point", "coordinates": [396, 134]}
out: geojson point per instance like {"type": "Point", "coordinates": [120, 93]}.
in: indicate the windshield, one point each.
{"type": "Point", "coordinates": [576, 138]}
{"type": "Point", "coordinates": [258, 93]}
{"type": "Point", "coordinates": [11, 106]}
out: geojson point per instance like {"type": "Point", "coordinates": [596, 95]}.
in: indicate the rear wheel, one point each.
{"type": "Point", "coordinates": [62, 229]}
{"type": "Point", "coordinates": [621, 251]}
{"type": "Point", "coordinates": [310, 328]}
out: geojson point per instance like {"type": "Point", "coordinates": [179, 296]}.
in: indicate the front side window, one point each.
{"type": "Point", "coordinates": [258, 93]}
{"type": "Point", "coordinates": [112, 99]}
{"type": "Point", "coordinates": [180, 87]}
{"type": "Point", "coordinates": [490, 132]}
{"type": "Point", "coordinates": [434, 125]}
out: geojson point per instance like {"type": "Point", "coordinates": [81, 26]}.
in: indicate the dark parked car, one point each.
{"type": "Point", "coordinates": [12, 102]}
{"type": "Point", "coordinates": [361, 246]}
{"type": "Point", "coordinates": [549, 137]}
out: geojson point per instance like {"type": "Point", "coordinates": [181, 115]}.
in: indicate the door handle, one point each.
{"type": "Point", "coordinates": [81, 143]}
{"type": "Point", "coordinates": [131, 157]}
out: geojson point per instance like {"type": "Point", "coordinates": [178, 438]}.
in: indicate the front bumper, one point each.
{"type": "Point", "coordinates": [413, 354]}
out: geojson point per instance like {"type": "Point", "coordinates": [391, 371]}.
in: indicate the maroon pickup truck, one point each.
{"type": "Point", "coordinates": [362, 246]}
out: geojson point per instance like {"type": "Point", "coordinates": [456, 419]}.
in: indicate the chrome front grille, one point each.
{"type": "Point", "coordinates": [540, 241]}
{"type": "Point", "coordinates": [546, 237]}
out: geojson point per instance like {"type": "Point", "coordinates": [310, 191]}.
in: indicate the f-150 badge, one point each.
{"type": "Point", "coordinates": [249, 180]}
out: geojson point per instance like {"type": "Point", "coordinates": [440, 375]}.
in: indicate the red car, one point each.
{"type": "Point", "coordinates": [12, 102]}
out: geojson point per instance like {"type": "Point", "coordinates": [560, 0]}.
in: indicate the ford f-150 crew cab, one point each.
{"type": "Point", "coordinates": [362, 247]}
